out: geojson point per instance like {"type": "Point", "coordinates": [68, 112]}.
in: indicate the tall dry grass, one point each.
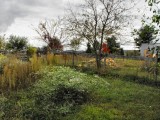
{"type": "Point", "coordinates": [66, 59]}
{"type": "Point", "coordinates": [51, 59]}
{"type": "Point", "coordinates": [18, 74]}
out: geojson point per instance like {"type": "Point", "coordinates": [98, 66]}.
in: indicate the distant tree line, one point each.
{"type": "Point", "coordinates": [113, 45]}
{"type": "Point", "coordinates": [17, 43]}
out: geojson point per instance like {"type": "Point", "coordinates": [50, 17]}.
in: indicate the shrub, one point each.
{"type": "Point", "coordinates": [31, 51]}
{"type": "Point", "coordinates": [72, 95]}
{"type": "Point", "coordinates": [55, 103]}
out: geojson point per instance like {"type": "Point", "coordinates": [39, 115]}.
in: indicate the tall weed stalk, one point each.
{"type": "Point", "coordinates": [18, 74]}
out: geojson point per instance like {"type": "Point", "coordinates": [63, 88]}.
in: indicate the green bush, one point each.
{"type": "Point", "coordinates": [65, 94]}
{"type": "Point", "coordinates": [59, 92]}
{"type": "Point", "coordinates": [31, 51]}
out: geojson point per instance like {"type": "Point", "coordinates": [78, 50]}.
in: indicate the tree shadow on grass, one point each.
{"type": "Point", "coordinates": [142, 80]}
{"type": "Point", "coordinates": [136, 79]}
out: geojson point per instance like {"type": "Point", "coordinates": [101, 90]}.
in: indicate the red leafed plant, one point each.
{"type": "Point", "coordinates": [105, 48]}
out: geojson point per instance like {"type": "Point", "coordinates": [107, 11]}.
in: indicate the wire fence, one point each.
{"type": "Point", "coordinates": [134, 68]}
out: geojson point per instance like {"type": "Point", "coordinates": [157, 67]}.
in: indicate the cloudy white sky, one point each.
{"type": "Point", "coordinates": [20, 17]}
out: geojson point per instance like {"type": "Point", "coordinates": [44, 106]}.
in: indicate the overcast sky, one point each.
{"type": "Point", "coordinates": [20, 17]}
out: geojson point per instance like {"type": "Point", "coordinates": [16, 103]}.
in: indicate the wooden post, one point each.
{"type": "Point", "coordinates": [73, 59]}
{"type": "Point", "coordinates": [156, 69]}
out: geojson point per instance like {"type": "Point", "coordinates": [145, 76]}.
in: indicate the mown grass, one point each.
{"type": "Point", "coordinates": [122, 101]}
{"type": "Point", "coordinates": [53, 97]}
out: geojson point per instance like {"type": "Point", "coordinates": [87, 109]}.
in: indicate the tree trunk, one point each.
{"type": "Point", "coordinates": [98, 61]}
{"type": "Point", "coordinates": [105, 61]}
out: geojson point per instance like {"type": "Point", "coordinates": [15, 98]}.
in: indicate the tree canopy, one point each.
{"type": "Point", "coordinates": [75, 43]}
{"type": "Point", "coordinates": [16, 42]}
{"type": "Point", "coordinates": [155, 8]}
{"type": "Point", "coordinates": [51, 33]}
{"type": "Point", "coordinates": [89, 48]}
{"type": "Point", "coordinates": [145, 34]}
{"type": "Point", "coordinates": [112, 44]}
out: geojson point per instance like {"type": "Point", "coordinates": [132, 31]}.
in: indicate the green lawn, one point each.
{"type": "Point", "coordinates": [65, 94]}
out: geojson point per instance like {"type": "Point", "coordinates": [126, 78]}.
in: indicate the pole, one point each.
{"type": "Point", "coordinates": [156, 69]}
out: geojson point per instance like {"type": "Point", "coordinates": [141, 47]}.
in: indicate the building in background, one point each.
{"type": "Point", "coordinates": [148, 50]}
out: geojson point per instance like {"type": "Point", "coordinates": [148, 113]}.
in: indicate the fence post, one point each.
{"type": "Point", "coordinates": [156, 69]}
{"type": "Point", "coordinates": [73, 58]}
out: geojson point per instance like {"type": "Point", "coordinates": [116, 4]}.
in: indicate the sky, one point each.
{"type": "Point", "coordinates": [21, 17]}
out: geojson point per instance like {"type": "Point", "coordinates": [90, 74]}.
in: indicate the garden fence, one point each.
{"type": "Point", "coordinates": [134, 68]}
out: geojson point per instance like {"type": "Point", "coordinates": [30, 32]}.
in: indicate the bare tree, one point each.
{"type": "Point", "coordinates": [74, 44]}
{"type": "Point", "coordinates": [52, 33]}
{"type": "Point", "coordinates": [96, 20]}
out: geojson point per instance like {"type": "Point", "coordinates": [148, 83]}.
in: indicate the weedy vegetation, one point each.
{"type": "Point", "coordinates": [44, 88]}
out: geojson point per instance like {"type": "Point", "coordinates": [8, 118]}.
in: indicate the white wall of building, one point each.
{"type": "Point", "coordinates": [145, 46]}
